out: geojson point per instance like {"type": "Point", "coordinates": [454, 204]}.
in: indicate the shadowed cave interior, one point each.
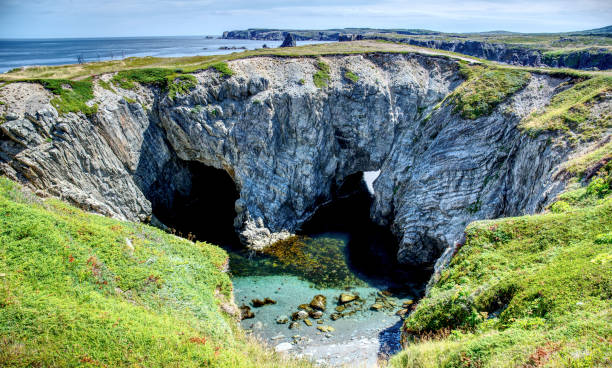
{"type": "Point", "coordinates": [203, 205]}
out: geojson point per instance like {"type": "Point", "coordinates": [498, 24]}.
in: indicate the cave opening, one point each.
{"type": "Point", "coordinates": [199, 202]}
{"type": "Point", "coordinates": [371, 249]}
{"type": "Point", "coordinates": [198, 199]}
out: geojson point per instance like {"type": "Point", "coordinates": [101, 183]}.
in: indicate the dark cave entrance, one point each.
{"type": "Point", "coordinates": [372, 248]}
{"type": "Point", "coordinates": [200, 202]}
{"type": "Point", "coordinates": [199, 199]}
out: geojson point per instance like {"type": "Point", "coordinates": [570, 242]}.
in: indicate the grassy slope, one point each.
{"type": "Point", "coordinates": [73, 292]}
{"type": "Point", "coordinates": [524, 291]}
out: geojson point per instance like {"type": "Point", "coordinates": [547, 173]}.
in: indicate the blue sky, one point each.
{"type": "Point", "coordinates": [91, 18]}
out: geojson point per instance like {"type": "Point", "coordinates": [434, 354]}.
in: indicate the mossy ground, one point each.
{"type": "Point", "coordinates": [174, 82]}
{"type": "Point", "coordinates": [570, 111]}
{"type": "Point", "coordinates": [524, 291]}
{"type": "Point", "coordinates": [321, 261]}
{"type": "Point", "coordinates": [321, 77]}
{"type": "Point", "coordinates": [71, 96]}
{"type": "Point", "coordinates": [79, 289]}
{"type": "Point", "coordinates": [485, 87]}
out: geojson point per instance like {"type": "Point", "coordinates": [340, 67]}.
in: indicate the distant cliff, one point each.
{"type": "Point", "coordinates": [600, 58]}
{"type": "Point", "coordinates": [595, 57]}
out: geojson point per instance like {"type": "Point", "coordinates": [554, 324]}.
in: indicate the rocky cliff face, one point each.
{"type": "Point", "coordinates": [287, 145]}
{"type": "Point", "coordinates": [517, 55]}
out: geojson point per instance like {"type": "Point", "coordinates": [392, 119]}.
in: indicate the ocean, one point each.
{"type": "Point", "coordinates": [21, 52]}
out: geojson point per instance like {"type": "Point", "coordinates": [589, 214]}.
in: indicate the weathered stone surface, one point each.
{"type": "Point", "coordinates": [287, 146]}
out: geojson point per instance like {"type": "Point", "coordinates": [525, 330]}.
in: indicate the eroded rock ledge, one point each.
{"type": "Point", "coordinates": [287, 145]}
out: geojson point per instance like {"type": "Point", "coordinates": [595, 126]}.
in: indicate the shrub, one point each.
{"type": "Point", "coordinates": [174, 82]}
{"type": "Point", "coordinates": [598, 187]}
{"type": "Point", "coordinates": [452, 309]}
{"type": "Point", "coordinates": [560, 207]}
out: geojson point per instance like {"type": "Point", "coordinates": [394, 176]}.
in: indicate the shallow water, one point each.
{"type": "Point", "coordinates": [361, 335]}
{"type": "Point", "coordinates": [338, 250]}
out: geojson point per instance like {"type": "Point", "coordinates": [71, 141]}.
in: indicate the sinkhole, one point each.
{"type": "Point", "coordinates": [338, 246]}
{"type": "Point", "coordinates": [339, 249]}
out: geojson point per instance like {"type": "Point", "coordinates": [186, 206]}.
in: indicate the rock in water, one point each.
{"type": "Point", "coordinates": [289, 41]}
{"type": "Point", "coordinates": [285, 346]}
{"type": "Point", "coordinates": [315, 314]}
{"type": "Point", "coordinates": [260, 303]}
{"type": "Point", "coordinates": [245, 312]}
{"type": "Point", "coordinates": [294, 325]}
{"type": "Point", "coordinates": [346, 297]}
{"type": "Point", "coordinates": [318, 302]}
{"type": "Point", "coordinates": [299, 315]}
{"type": "Point", "coordinates": [281, 320]}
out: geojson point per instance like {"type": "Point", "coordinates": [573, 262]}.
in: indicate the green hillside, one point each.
{"type": "Point", "coordinates": [78, 289]}
{"type": "Point", "coordinates": [530, 291]}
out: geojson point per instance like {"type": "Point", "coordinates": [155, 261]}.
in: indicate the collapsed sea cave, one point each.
{"type": "Point", "coordinates": [197, 201]}
{"type": "Point", "coordinates": [339, 249]}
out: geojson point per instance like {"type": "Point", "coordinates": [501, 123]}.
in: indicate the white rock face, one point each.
{"type": "Point", "coordinates": [288, 145]}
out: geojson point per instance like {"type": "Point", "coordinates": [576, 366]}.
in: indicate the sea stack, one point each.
{"type": "Point", "coordinates": [289, 41]}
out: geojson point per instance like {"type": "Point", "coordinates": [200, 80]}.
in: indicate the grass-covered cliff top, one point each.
{"type": "Point", "coordinates": [193, 63]}
{"type": "Point", "coordinates": [530, 291]}
{"type": "Point", "coordinates": [548, 42]}
{"type": "Point", "coordinates": [79, 289]}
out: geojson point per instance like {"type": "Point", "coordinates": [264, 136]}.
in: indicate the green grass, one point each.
{"type": "Point", "coordinates": [223, 68]}
{"type": "Point", "coordinates": [174, 82]}
{"type": "Point", "coordinates": [578, 166]}
{"type": "Point", "coordinates": [523, 291]}
{"type": "Point", "coordinates": [570, 111]}
{"type": "Point", "coordinates": [321, 77]}
{"type": "Point", "coordinates": [71, 96]}
{"type": "Point", "coordinates": [79, 289]}
{"type": "Point", "coordinates": [485, 87]}
{"type": "Point", "coordinates": [106, 85]}
{"type": "Point", "coordinates": [351, 76]}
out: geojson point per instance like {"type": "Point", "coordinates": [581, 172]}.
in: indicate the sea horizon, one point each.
{"type": "Point", "coordinates": [30, 52]}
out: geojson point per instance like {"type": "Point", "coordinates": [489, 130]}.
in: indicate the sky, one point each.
{"type": "Point", "coordinates": [118, 18]}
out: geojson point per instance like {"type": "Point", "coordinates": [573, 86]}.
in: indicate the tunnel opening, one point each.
{"type": "Point", "coordinates": [371, 249]}
{"type": "Point", "coordinates": [199, 200]}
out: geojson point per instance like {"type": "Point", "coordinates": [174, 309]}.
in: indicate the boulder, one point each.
{"type": "Point", "coordinates": [299, 315]}
{"type": "Point", "coordinates": [315, 314]}
{"type": "Point", "coordinates": [319, 302]}
{"type": "Point", "coordinates": [246, 313]}
{"type": "Point", "coordinates": [346, 297]}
